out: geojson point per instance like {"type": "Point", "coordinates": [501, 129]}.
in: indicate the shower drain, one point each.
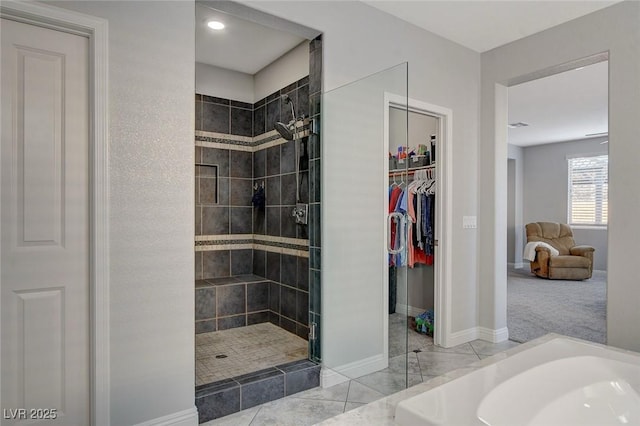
{"type": "Point", "coordinates": [221, 356]}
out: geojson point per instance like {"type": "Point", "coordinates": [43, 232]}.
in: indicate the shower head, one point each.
{"type": "Point", "coordinates": [285, 131]}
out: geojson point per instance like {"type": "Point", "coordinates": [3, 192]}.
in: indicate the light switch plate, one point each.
{"type": "Point", "coordinates": [469, 222]}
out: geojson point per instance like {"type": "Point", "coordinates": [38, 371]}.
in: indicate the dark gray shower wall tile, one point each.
{"type": "Point", "coordinates": [257, 317]}
{"type": "Point", "coordinates": [275, 95]}
{"type": "Point", "coordinates": [314, 181]}
{"type": "Point", "coordinates": [259, 163]}
{"type": "Point", "coordinates": [258, 296]}
{"type": "Point", "coordinates": [274, 296]}
{"type": "Point", "coordinates": [314, 291]}
{"type": "Point", "coordinates": [218, 157]}
{"type": "Point", "coordinates": [215, 118]}
{"type": "Point", "coordinates": [198, 220]}
{"type": "Point", "coordinates": [215, 100]}
{"type": "Point", "coordinates": [241, 122]}
{"type": "Point", "coordinates": [273, 191]}
{"type": "Point", "coordinates": [215, 264]}
{"type": "Point", "coordinates": [259, 221]}
{"type": "Point", "coordinates": [302, 331]}
{"type": "Point", "coordinates": [303, 273]}
{"type": "Point", "coordinates": [303, 101]}
{"type": "Point", "coordinates": [288, 303]}
{"type": "Point", "coordinates": [230, 300]}
{"type": "Point", "coordinates": [272, 114]}
{"type": "Point", "coordinates": [223, 191]}
{"type": "Point", "coordinates": [241, 192]}
{"type": "Point", "coordinates": [273, 160]}
{"type": "Point", "coordinates": [315, 71]}
{"type": "Point", "coordinates": [260, 103]}
{"type": "Point", "coordinates": [304, 80]}
{"type": "Point", "coordinates": [198, 154]}
{"type": "Point", "coordinates": [304, 187]}
{"type": "Point", "coordinates": [302, 307]}
{"type": "Point", "coordinates": [217, 401]}
{"type": "Point", "coordinates": [287, 324]}
{"type": "Point", "coordinates": [288, 227]}
{"type": "Point", "coordinates": [259, 115]}
{"type": "Point", "coordinates": [304, 154]}
{"type": "Point", "coordinates": [239, 104]}
{"type": "Point", "coordinates": [241, 164]}
{"type": "Point", "coordinates": [288, 157]}
{"type": "Point", "coordinates": [198, 113]}
{"type": "Point", "coordinates": [289, 270]}
{"type": "Point", "coordinates": [302, 232]}
{"type": "Point", "coordinates": [235, 321]}
{"type": "Point", "coordinates": [222, 281]}
{"type": "Point", "coordinates": [314, 225]}
{"type": "Point", "coordinates": [241, 261]}
{"type": "Point", "coordinates": [260, 263]}
{"type": "Point", "coordinates": [215, 220]}
{"type": "Point", "coordinates": [273, 267]}
{"type": "Point", "coordinates": [205, 300]}
{"type": "Point", "coordinates": [287, 89]}
{"type": "Point", "coordinates": [206, 326]}
{"type": "Point", "coordinates": [273, 221]}
{"type": "Point", "coordinates": [198, 266]}
{"type": "Point", "coordinates": [301, 380]}
{"type": "Point", "coordinates": [315, 101]}
{"type": "Point", "coordinates": [288, 191]}
{"type": "Point", "coordinates": [259, 392]}
{"type": "Point", "coordinates": [208, 190]}
{"type": "Point", "coordinates": [241, 220]}
{"type": "Point", "coordinates": [198, 97]}
{"type": "Point", "coordinates": [274, 318]}
{"type": "Point", "coordinates": [314, 258]}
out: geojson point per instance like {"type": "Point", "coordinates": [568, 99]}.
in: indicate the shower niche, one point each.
{"type": "Point", "coordinates": [256, 176]}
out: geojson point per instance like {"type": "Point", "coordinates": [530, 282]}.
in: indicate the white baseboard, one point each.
{"type": "Point", "coordinates": [412, 311]}
{"type": "Point", "coordinates": [517, 265]}
{"type": "Point", "coordinates": [330, 376]}
{"type": "Point", "coordinates": [182, 418]}
{"type": "Point", "coordinates": [490, 335]}
{"type": "Point", "coordinates": [493, 336]}
{"type": "Point", "coordinates": [460, 337]}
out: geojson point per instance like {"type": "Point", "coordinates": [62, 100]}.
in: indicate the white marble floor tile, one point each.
{"type": "Point", "coordinates": [337, 392]}
{"type": "Point", "coordinates": [241, 418]}
{"type": "Point", "coordinates": [438, 363]}
{"type": "Point", "coordinates": [352, 406]}
{"type": "Point", "coordinates": [464, 348]}
{"type": "Point", "coordinates": [402, 363]}
{"type": "Point", "coordinates": [360, 393]}
{"type": "Point", "coordinates": [296, 412]}
{"type": "Point", "coordinates": [387, 382]}
{"type": "Point", "coordinates": [486, 348]}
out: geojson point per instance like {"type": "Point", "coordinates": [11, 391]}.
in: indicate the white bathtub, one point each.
{"type": "Point", "coordinates": [559, 382]}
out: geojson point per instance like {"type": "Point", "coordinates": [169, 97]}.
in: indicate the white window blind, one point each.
{"type": "Point", "coordinates": [588, 190]}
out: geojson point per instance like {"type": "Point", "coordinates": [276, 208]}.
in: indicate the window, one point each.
{"type": "Point", "coordinates": [588, 190]}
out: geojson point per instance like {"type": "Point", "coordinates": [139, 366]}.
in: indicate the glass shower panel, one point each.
{"type": "Point", "coordinates": [363, 329]}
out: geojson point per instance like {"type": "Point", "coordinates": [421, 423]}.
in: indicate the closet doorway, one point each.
{"type": "Point", "coordinates": [417, 141]}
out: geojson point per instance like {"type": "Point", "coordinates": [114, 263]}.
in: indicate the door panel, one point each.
{"type": "Point", "coordinates": [45, 226]}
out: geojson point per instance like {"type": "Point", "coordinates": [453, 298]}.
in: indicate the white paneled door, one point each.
{"type": "Point", "coordinates": [44, 280]}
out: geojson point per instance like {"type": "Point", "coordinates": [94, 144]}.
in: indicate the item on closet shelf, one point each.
{"type": "Point", "coordinates": [433, 149]}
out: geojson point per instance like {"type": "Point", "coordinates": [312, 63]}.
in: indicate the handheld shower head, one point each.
{"type": "Point", "coordinates": [287, 130]}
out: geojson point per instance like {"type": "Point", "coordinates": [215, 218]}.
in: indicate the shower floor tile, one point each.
{"type": "Point", "coordinates": [230, 353]}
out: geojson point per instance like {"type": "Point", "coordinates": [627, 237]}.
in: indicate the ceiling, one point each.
{"type": "Point", "coordinates": [484, 25]}
{"type": "Point", "coordinates": [561, 107]}
{"type": "Point", "coordinates": [242, 45]}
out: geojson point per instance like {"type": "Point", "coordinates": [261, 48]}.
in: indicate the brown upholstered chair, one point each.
{"type": "Point", "coordinates": [573, 263]}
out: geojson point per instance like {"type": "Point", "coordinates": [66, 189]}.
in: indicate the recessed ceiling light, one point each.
{"type": "Point", "coordinates": [516, 125]}
{"type": "Point", "coordinates": [215, 25]}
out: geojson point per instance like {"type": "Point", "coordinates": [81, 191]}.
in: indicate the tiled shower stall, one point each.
{"type": "Point", "coordinates": [253, 263]}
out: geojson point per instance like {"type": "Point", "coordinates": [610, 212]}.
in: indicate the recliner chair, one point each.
{"type": "Point", "coordinates": [573, 263]}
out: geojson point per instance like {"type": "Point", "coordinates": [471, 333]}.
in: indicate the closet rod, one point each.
{"type": "Point", "coordinates": [411, 171]}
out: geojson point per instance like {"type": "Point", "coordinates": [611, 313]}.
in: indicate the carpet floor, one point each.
{"type": "Point", "coordinates": [537, 306]}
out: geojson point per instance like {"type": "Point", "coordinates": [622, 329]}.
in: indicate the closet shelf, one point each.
{"type": "Point", "coordinates": [410, 170]}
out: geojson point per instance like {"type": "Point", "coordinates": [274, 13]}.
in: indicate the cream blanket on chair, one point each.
{"type": "Point", "coordinates": [530, 250]}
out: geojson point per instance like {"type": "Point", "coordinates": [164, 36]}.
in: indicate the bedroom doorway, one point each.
{"type": "Point", "coordinates": [557, 168]}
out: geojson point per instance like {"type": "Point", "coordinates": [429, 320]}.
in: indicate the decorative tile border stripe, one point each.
{"type": "Point", "coordinates": [292, 246]}
{"type": "Point", "coordinates": [246, 143]}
